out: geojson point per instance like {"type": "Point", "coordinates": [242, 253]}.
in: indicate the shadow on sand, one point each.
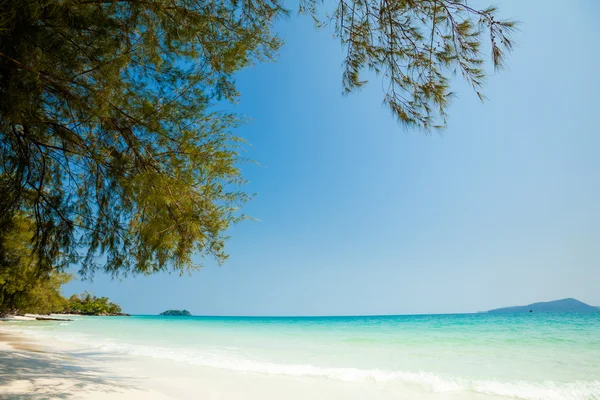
{"type": "Point", "coordinates": [28, 372]}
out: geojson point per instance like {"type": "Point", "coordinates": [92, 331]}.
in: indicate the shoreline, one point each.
{"type": "Point", "coordinates": [50, 368]}
{"type": "Point", "coordinates": [53, 316]}
{"type": "Point", "coordinates": [94, 358]}
{"type": "Point", "coordinates": [53, 369]}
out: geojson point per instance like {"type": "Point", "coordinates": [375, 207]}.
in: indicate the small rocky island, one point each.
{"type": "Point", "coordinates": [176, 313]}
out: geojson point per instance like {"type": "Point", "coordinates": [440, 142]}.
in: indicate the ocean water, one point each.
{"type": "Point", "coordinates": [520, 356]}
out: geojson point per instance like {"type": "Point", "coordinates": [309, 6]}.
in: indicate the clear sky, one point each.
{"type": "Point", "coordinates": [358, 216]}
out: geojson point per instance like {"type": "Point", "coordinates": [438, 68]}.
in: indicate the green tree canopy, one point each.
{"type": "Point", "coordinates": [416, 46]}
{"type": "Point", "coordinates": [108, 138]}
{"type": "Point", "coordinates": [23, 285]}
{"type": "Point", "coordinates": [89, 304]}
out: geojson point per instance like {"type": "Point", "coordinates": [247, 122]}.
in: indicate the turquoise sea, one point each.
{"type": "Point", "coordinates": [520, 356]}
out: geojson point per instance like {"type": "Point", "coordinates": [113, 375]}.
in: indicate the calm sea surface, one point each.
{"type": "Point", "coordinates": [526, 356]}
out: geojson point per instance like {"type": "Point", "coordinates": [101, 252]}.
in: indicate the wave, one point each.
{"type": "Point", "coordinates": [228, 360]}
{"type": "Point", "coordinates": [525, 390]}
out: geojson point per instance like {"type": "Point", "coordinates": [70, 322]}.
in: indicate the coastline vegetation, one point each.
{"type": "Point", "coordinates": [89, 304]}
{"type": "Point", "coordinates": [26, 287]}
{"type": "Point", "coordinates": [46, 298]}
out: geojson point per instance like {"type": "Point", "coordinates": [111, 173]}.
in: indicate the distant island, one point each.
{"type": "Point", "coordinates": [177, 313]}
{"type": "Point", "coordinates": [563, 305]}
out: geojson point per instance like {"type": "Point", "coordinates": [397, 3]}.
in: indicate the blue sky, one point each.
{"type": "Point", "coordinates": [358, 216]}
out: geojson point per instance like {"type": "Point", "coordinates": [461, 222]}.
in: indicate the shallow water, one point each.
{"type": "Point", "coordinates": [524, 356]}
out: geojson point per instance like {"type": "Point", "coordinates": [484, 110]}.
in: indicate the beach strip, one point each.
{"type": "Point", "coordinates": [31, 368]}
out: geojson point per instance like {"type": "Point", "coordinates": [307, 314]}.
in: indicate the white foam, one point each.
{"type": "Point", "coordinates": [525, 390]}
{"type": "Point", "coordinates": [541, 391]}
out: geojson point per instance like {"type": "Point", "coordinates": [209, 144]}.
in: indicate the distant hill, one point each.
{"type": "Point", "coordinates": [564, 305]}
{"type": "Point", "coordinates": [177, 313]}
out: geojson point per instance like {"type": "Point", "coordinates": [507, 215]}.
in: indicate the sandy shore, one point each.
{"type": "Point", "coordinates": [35, 370]}
{"type": "Point", "coordinates": [45, 368]}
{"type": "Point", "coordinates": [51, 369]}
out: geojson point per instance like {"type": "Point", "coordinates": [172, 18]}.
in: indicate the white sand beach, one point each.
{"type": "Point", "coordinates": [159, 358]}
{"type": "Point", "coordinates": [37, 368]}
{"type": "Point", "coordinates": [32, 369]}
